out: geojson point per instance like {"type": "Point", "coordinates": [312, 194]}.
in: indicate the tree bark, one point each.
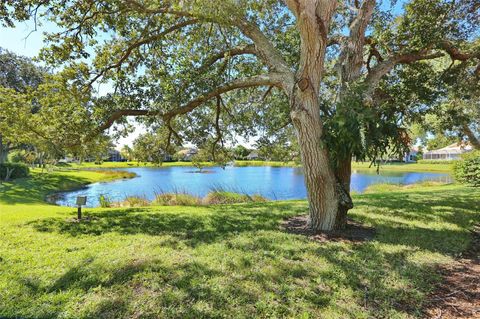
{"type": "Point", "coordinates": [343, 173]}
{"type": "Point", "coordinates": [313, 22]}
{"type": "Point", "coordinates": [3, 151]}
{"type": "Point", "coordinates": [320, 179]}
{"type": "Point", "coordinates": [8, 174]}
{"type": "Point", "coordinates": [3, 154]}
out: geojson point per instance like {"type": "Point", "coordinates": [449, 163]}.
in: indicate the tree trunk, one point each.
{"type": "Point", "coordinates": [313, 23]}
{"type": "Point", "coordinates": [9, 174]}
{"type": "Point", "coordinates": [3, 154]}
{"type": "Point", "coordinates": [3, 151]}
{"type": "Point", "coordinates": [343, 174]}
{"type": "Point", "coordinates": [320, 179]}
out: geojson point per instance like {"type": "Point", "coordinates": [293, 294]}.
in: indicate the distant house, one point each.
{"type": "Point", "coordinates": [450, 152]}
{"type": "Point", "coordinates": [115, 156]}
{"type": "Point", "coordinates": [187, 154]}
{"type": "Point", "coordinates": [411, 155]}
{"type": "Point", "coordinates": [167, 157]}
{"type": "Point", "coordinates": [253, 156]}
{"type": "Point", "coordinates": [67, 159]}
{"type": "Point", "coordinates": [407, 157]}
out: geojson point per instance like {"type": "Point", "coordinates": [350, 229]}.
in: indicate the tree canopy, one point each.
{"type": "Point", "coordinates": [44, 112]}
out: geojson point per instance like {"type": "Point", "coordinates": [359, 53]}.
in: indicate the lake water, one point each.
{"type": "Point", "coordinates": [271, 182]}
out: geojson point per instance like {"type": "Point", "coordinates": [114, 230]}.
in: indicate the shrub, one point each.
{"type": "Point", "coordinates": [467, 170]}
{"type": "Point", "coordinates": [16, 157]}
{"type": "Point", "coordinates": [19, 170]}
{"type": "Point", "coordinates": [171, 199]}
{"type": "Point", "coordinates": [134, 201]}
{"type": "Point", "coordinates": [257, 198]}
{"type": "Point", "coordinates": [104, 201]}
{"type": "Point", "coordinates": [223, 197]}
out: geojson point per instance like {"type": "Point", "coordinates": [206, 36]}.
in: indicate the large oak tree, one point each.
{"type": "Point", "coordinates": [345, 74]}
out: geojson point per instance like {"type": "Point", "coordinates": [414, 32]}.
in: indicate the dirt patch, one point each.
{"type": "Point", "coordinates": [458, 295]}
{"type": "Point", "coordinates": [353, 232]}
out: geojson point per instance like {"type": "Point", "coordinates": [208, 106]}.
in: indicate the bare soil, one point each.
{"type": "Point", "coordinates": [458, 295]}
{"type": "Point", "coordinates": [353, 232]}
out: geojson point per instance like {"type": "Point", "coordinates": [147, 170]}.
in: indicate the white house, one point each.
{"type": "Point", "coordinates": [411, 156]}
{"type": "Point", "coordinates": [187, 154]}
{"type": "Point", "coordinates": [253, 156]}
{"type": "Point", "coordinates": [450, 152]}
{"type": "Point", "coordinates": [115, 156]}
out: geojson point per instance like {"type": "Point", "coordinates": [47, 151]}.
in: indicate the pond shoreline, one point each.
{"type": "Point", "coordinates": [273, 183]}
{"type": "Point", "coordinates": [50, 198]}
{"type": "Point", "coordinates": [411, 167]}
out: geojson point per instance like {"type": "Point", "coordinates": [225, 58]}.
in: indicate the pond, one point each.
{"type": "Point", "coordinates": [271, 182]}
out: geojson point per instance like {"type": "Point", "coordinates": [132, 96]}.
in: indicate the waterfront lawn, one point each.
{"type": "Point", "coordinates": [90, 165]}
{"type": "Point", "coordinates": [406, 167]}
{"type": "Point", "coordinates": [34, 189]}
{"type": "Point", "coordinates": [411, 167]}
{"type": "Point", "coordinates": [219, 261]}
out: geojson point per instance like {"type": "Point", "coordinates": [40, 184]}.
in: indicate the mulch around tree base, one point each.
{"type": "Point", "coordinates": [458, 295]}
{"type": "Point", "coordinates": [353, 232]}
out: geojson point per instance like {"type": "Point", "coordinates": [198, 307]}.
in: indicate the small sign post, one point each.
{"type": "Point", "coordinates": [81, 200]}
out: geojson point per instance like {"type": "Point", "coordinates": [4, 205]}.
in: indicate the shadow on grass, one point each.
{"type": "Point", "coordinates": [257, 270]}
{"type": "Point", "coordinates": [196, 289]}
{"type": "Point", "coordinates": [192, 224]}
{"type": "Point", "coordinates": [400, 218]}
{"type": "Point", "coordinates": [436, 221]}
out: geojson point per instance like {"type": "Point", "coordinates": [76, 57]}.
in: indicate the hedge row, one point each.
{"type": "Point", "coordinates": [467, 170]}
{"type": "Point", "coordinates": [19, 170]}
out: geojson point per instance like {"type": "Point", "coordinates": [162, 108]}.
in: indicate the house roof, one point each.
{"type": "Point", "coordinates": [188, 151]}
{"type": "Point", "coordinates": [460, 147]}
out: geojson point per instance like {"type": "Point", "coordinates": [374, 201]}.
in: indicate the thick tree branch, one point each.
{"type": "Point", "coordinates": [264, 47]}
{"type": "Point", "coordinates": [217, 127]}
{"type": "Point", "coordinates": [246, 49]}
{"type": "Point", "coordinates": [471, 136]}
{"type": "Point", "coordinates": [313, 19]}
{"type": "Point", "coordinates": [384, 67]}
{"type": "Point", "coordinates": [457, 54]}
{"type": "Point", "coordinates": [272, 79]}
{"type": "Point", "coordinates": [336, 40]}
{"type": "Point", "coordinates": [351, 59]}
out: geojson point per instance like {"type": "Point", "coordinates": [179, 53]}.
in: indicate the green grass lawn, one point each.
{"type": "Point", "coordinates": [224, 261]}
{"type": "Point", "coordinates": [88, 165]}
{"type": "Point", "coordinates": [412, 167]}
{"type": "Point", "coordinates": [406, 167]}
